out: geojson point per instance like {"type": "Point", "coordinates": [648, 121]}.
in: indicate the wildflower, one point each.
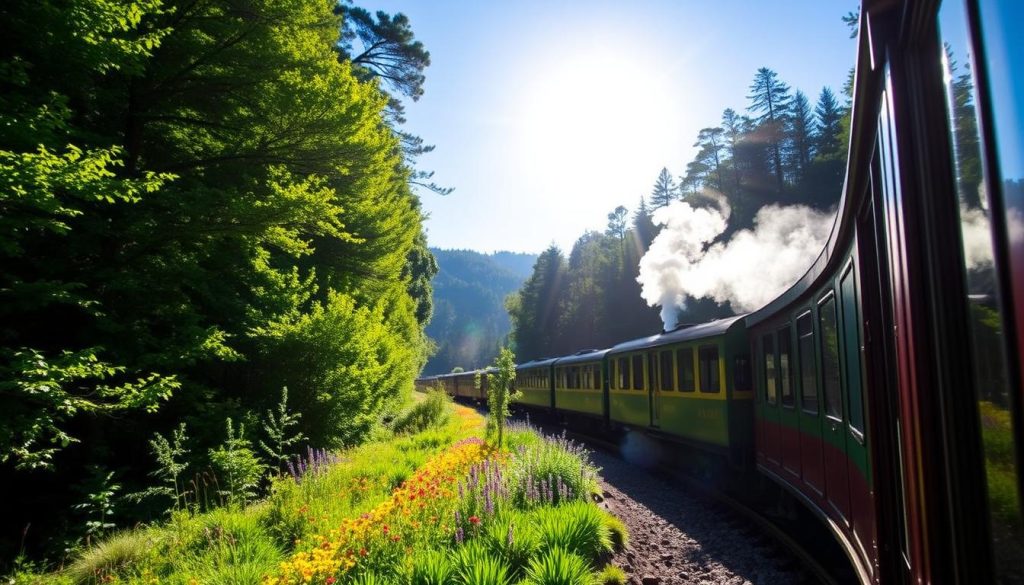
{"type": "Point", "coordinates": [474, 520]}
{"type": "Point", "coordinates": [330, 580]}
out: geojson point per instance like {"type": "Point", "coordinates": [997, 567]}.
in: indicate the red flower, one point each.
{"type": "Point", "coordinates": [474, 520]}
{"type": "Point", "coordinates": [385, 529]}
{"type": "Point", "coordinates": [362, 552]}
{"type": "Point", "coordinates": [330, 580]}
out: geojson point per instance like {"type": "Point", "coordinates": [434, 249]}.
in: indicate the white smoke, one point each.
{"type": "Point", "coordinates": [749, 270]}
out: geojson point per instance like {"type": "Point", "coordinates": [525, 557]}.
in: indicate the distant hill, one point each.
{"type": "Point", "coordinates": [470, 320]}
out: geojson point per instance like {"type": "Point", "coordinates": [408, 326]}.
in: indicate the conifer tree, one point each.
{"type": "Point", "coordinates": [801, 138]}
{"type": "Point", "coordinates": [710, 141]}
{"type": "Point", "coordinates": [770, 100]}
{"type": "Point", "coordinates": [617, 222]}
{"type": "Point", "coordinates": [664, 189]}
{"type": "Point", "coordinates": [828, 117]}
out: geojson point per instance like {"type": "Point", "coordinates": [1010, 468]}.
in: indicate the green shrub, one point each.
{"type": "Point", "coordinates": [616, 530]}
{"type": "Point", "coordinates": [559, 567]}
{"type": "Point", "coordinates": [238, 468]}
{"type": "Point", "coordinates": [370, 578]}
{"type": "Point", "coordinates": [578, 527]}
{"type": "Point", "coordinates": [111, 556]}
{"type": "Point", "coordinates": [512, 537]}
{"type": "Point", "coordinates": [486, 570]}
{"type": "Point", "coordinates": [466, 556]}
{"type": "Point", "coordinates": [431, 568]}
{"type": "Point", "coordinates": [549, 472]}
{"type": "Point", "coordinates": [229, 548]}
{"type": "Point", "coordinates": [611, 575]}
{"type": "Point", "coordinates": [433, 411]}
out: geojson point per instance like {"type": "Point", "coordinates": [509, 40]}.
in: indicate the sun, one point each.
{"type": "Point", "coordinates": [590, 126]}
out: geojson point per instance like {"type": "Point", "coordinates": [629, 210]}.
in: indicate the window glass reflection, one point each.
{"type": "Point", "coordinates": [986, 316]}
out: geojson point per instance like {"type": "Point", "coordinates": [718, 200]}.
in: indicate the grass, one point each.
{"type": "Point", "coordinates": [432, 505]}
{"type": "Point", "coordinates": [1000, 466]}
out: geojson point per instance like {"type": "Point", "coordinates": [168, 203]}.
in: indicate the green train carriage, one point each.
{"type": "Point", "coordinates": [580, 384]}
{"type": "Point", "coordinates": [692, 384]}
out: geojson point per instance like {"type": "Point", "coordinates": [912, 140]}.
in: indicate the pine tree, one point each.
{"type": "Point", "coordinates": [710, 141]}
{"type": "Point", "coordinates": [664, 189]}
{"type": "Point", "coordinates": [643, 224]}
{"type": "Point", "coordinates": [829, 116]}
{"type": "Point", "coordinates": [770, 99]}
{"type": "Point", "coordinates": [617, 222]}
{"type": "Point", "coordinates": [732, 133]}
{"type": "Point", "coordinates": [801, 138]}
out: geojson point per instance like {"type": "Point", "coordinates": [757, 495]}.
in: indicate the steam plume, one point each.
{"type": "Point", "coordinates": [749, 270]}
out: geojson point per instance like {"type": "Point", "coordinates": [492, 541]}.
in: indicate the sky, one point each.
{"type": "Point", "coordinates": [546, 115]}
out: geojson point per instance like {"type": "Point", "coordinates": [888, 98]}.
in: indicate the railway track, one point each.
{"type": "Point", "coordinates": [744, 518]}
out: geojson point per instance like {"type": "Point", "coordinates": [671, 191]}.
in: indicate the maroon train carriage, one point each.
{"type": "Point", "coordinates": [888, 378]}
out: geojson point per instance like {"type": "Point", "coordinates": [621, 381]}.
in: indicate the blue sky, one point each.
{"type": "Point", "coordinates": [547, 115]}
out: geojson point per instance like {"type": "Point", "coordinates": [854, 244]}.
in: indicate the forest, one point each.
{"type": "Point", "coordinates": [470, 323]}
{"type": "Point", "coordinates": [212, 245]}
{"type": "Point", "coordinates": [783, 151]}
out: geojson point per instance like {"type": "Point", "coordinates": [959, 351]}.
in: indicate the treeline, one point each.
{"type": "Point", "coordinates": [782, 151]}
{"type": "Point", "coordinates": [201, 203]}
{"type": "Point", "coordinates": [470, 323]}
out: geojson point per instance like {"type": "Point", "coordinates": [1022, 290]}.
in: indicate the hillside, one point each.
{"type": "Point", "coordinates": [470, 320]}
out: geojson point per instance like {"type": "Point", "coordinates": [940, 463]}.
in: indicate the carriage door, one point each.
{"type": "Point", "coordinates": [837, 483]}
{"type": "Point", "coordinates": [653, 383]}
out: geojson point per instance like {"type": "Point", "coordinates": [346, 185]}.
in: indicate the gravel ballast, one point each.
{"type": "Point", "coordinates": [678, 537]}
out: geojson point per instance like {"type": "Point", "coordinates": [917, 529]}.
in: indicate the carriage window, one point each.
{"type": "Point", "coordinates": [709, 378]}
{"type": "Point", "coordinates": [741, 373]}
{"type": "Point", "coordinates": [830, 358]}
{"type": "Point", "coordinates": [665, 369]}
{"type": "Point", "coordinates": [623, 374]}
{"type": "Point", "coordinates": [684, 369]}
{"type": "Point", "coordinates": [808, 376]}
{"type": "Point", "coordinates": [1001, 30]}
{"type": "Point", "coordinates": [851, 345]}
{"type": "Point", "coordinates": [597, 377]}
{"type": "Point", "coordinates": [768, 351]}
{"type": "Point", "coordinates": [638, 372]}
{"type": "Point", "coordinates": [786, 372]}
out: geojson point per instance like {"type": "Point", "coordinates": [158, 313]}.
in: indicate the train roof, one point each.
{"type": "Point", "coordinates": [587, 355]}
{"type": "Point", "coordinates": [543, 362]}
{"type": "Point", "coordinates": [709, 329]}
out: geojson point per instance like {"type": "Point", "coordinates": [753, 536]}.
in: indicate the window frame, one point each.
{"type": "Point", "coordinates": [809, 316]}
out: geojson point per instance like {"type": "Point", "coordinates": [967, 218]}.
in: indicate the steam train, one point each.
{"type": "Point", "coordinates": [883, 389]}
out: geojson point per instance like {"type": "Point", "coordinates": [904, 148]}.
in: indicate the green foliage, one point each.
{"type": "Point", "coordinates": [578, 527]}
{"type": "Point", "coordinates": [239, 469]}
{"type": "Point", "coordinates": [99, 492]}
{"type": "Point", "coordinates": [432, 411]}
{"type": "Point", "coordinates": [120, 553]}
{"type": "Point", "coordinates": [282, 441]}
{"type": "Point", "coordinates": [343, 363]}
{"type": "Point", "coordinates": [41, 394]}
{"type": "Point", "coordinates": [611, 575]}
{"type": "Point", "coordinates": [171, 464]}
{"type": "Point", "coordinates": [1000, 466]}
{"type": "Point", "coordinates": [475, 566]}
{"type": "Point", "coordinates": [513, 538]}
{"type": "Point", "coordinates": [501, 391]}
{"type": "Point", "coordinates": [431, 567]}
{"type": "Point", "coordinates": [617, 531]}
{"type": "Point", "coordinates": [558, 566]}
{"type": "Point", "coordinates": [540, 466]}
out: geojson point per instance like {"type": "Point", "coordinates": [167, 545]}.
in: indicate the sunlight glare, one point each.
{"type": "Point", "coordinates": [593, 126]}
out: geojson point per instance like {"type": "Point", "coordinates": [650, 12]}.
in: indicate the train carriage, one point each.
{"type": "Point", "coordinates": [579, 384]}
{"type": "Point", "coordinates": [692, 383]}
{"type": "Point", "coordinates": [888, 377]}
{"type": "Point", "coordinates": [534, 381]}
